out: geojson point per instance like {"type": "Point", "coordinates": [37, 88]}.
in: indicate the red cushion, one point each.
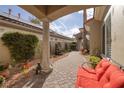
{"type": "Point", "coordinates": [100, 63]}
{"type": "Point", "coordinates": [117, 79]}
{"type": "Point", "coordinates": [106, 76]}
{"type": "Point", "coordinates": [100, 71]}
{"type": "Point", "coordinates": [89, 70]}
{"type": "Point", "coordinates": [107, 85]}
{"type": "Point", "coordinates": [88, 83]}
{"type": "Point", "coordinates": [84, 73]}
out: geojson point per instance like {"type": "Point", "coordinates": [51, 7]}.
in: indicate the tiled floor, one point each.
{"type": "Point", "coordinates": [62, 76]}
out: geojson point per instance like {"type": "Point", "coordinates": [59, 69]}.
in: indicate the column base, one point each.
{"type": "Point", "coordinates": [47, 70]}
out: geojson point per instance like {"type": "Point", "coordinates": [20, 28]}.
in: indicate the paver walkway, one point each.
{"type": "Point", "coordinates": [62, 76]}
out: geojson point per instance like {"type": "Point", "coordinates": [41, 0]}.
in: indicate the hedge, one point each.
{"type": "Point", "coordinates": [21, 46]}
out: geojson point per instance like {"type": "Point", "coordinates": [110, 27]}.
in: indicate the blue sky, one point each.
{"type": "Point", "coordinates": [67, 25]}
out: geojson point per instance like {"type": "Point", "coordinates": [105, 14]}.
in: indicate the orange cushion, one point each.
{"type": "Point", "coordinates": [84, 73]}
{"type": "Point", "coordinates": [100, 71]}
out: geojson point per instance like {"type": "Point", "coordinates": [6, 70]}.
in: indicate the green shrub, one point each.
{"type": "Point", "coordinates": [73, 46]}
{"type": "Point", "coordinates": [1, 68]}
{"type": "Point", "coordinates": [1, 79]}
{"type": "Point", "coordinates": [94, 60]}
{"type": "Point", "coordinates": [21, 46]}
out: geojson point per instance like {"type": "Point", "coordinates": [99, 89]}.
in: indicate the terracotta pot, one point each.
{"type": "Point", "coordinates": [5, 73]}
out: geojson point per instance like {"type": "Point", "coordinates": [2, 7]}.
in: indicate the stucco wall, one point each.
{"type": "Point", "coordinates": [95, 36]}
{"type": "Point", "coordinates": [117, 34]}
{"type": "Point", "coordinates": [4, 52]}
{"type": "Point", "coordinates": [52, 47]}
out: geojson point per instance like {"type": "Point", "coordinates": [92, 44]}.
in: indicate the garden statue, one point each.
{"type": "Point", "coordinates": [38, 68]}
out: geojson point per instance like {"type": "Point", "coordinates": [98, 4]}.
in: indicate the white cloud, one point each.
{"type": "Point", "coordinates": [80, 12]}
{"type": "Point", "coordinates": [72, 31]}
{"type": "Point", "coordinates": [58, 28]}
{"type": "Point", "coordinates": [62, 29]}
{"type": "Point", "coordinates": [89, 12]}
{"type": "Point", "coordinates": [65, 18]}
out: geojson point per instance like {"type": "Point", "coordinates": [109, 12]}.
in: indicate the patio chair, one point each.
{"type": "Point", "coordinates": [105, 75]}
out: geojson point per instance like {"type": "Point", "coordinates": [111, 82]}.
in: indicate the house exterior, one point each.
{"type": "Point", "coordinates": [82, 39]}
{"type": "Point", "coordinates": [105, 28]}
{"type": "Point", "coordinates": [106, 33]}
{"type": "Point", "coordinates": [113, 31]}
{"type": "Point", "coordinates": [9, 23]}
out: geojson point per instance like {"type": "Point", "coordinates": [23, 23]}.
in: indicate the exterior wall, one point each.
{"type": "Point", "coordinates": [4, 52]}
{"type": "Point", "coordinates": [117, 30]}
{"type": "Point", "coordinates": [62, 45]}
{"type": "Point", "coordinates": [79, 44]}
{"type": "Point", "coordinates": [52, 47]}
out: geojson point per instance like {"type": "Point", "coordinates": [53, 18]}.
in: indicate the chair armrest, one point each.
{"type": "Point", "coordinates": [92, 71]}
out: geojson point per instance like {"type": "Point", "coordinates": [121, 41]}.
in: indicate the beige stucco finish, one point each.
{"type": "Point", "coordinates": [4, 54]}
{"type": "Point", "coordinates": [117, 31]}
{"type": "Point", "coordinates": [95, 35]}
{"type": "Point", "coordinates": [53, 12]}
{"type": "Point", "coordinates": [4, 51]}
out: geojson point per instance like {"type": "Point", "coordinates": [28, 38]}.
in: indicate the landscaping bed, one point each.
{"type": "Point", "coordinates": [17, 74]}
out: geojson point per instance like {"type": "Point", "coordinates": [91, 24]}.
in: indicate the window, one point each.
{"type": "Point", "coordinates": [90, 13]}
{"type": "Point", "coordinates": [103, 40]}
{"type": "Point", "coordinates": [106, 37]}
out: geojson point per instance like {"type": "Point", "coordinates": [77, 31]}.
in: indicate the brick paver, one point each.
{"type": "Point", "coordinates": [62, 76]}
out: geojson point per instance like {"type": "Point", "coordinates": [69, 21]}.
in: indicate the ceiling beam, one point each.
{"type": "Point", "coordinates": [53, 12]}
{"type": "Point", "coordinates": [36, 10]}
{"type": "Point", "coordinates": [65, 10]}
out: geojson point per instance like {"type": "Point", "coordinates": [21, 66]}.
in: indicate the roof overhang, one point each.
{"type": "Point", "coordinates": [53, 12]}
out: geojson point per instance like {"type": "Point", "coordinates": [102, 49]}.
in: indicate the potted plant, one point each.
{"type": "Point", "coordinates": [94, 60]}
{"type": "Point", "coordinates": [2, 80]}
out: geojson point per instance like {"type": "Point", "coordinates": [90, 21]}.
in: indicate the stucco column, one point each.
{"type": "Point", "coordinates": [95, 37]}
{"type": "Point", "coordinates": [84, 16]}
{"type": "Point", "coordinates": [84, 32]}
{"type": "Point", "coordinates": [46, 66]}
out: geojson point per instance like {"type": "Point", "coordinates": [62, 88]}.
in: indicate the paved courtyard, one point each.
{"type": "Point", "coordinates": [62, 76]}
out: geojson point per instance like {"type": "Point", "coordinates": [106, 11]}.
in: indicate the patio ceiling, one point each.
{"type": "Point", "coordinates": [53, 12]}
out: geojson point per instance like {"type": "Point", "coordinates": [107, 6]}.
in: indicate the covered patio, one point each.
{"type": "Point", "coordinates": [65, 70]}
{"type": "Point", "coordinates": [49, 13]}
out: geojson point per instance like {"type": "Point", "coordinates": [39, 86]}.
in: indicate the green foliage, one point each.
{"type": "Point", "coordinates": [1, 79]}
{"type": "Point", "coordinates": [34, 20]}
{"type": "Point", "coordinates": [95, 60]}
{"type": "Point", "coordinates": [1, 68]}
{"type": "Point", "coordinates": [58, 49]}
{"type": "Point", "coordinates": [4, 66]}
{"type": "Point", "coordinates": [21, 46]}
{"type": "Point", "coordinates": [73, 46]}
{"type": "Point", "coordinates": [67, 48]}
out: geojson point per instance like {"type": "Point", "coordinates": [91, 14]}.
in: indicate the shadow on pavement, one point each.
{"type": "Point", "coordinates": [33, 81]}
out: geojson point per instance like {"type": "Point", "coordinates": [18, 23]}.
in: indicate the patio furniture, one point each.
{"type": "Point", "coordinates": [105, 75]}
